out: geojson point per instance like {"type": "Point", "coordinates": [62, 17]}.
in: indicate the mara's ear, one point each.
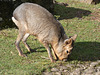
{"type": "Point", "coordinates": [74, 37]}
{"type": "Point", "coordinates": [68, 41]}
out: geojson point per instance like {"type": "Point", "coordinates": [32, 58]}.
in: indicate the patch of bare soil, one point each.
{"type": "Point", "coordinates": [96, 15]}
{"type": "Point", "coordinates": [92, 68]}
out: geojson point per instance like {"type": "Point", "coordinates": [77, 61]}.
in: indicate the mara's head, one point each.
{"type": "Point", "coordinates": [66, 48]}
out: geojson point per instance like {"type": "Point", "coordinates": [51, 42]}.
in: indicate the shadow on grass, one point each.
{"type": "Point", "coordinates": [64, 12]}
{"type": "Point", "coordinates": [36, 50]}
{"type": "Point", "coordinates": [86, 51]}
{"type": "Point", "coordinates": [83, 51]}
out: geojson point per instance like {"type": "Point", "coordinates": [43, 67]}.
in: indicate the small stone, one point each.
{"type": "Point", "coordinates": [66, 72]}
{"type": "Point", "coordinates": [77, 71]}
{"type": "Point", "coordinates": [47, 73]}
{"type": "Point", "coordinates": [93, 64]}
{"type": "Point", "coordinates": [58, 73]}
{"type": "Point", "coordinates": [98, 69]}
{"type": "Point", "coordinates": [98, 61]}
{"type": "Point", "coordinates": [81, 66]}
{"type": "Point", "coordinates": [97, 73]}
{"type": "Point", "coordinates": [54, 70]}
{"type": "Point", "coordinates": [63, 68]}
{"type": "Point", "coordinates": [89, 71]}
{"type": "Point", "coordinates": [70, 65]}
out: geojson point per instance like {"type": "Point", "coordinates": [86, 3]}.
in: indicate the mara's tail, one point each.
{"type": "Point", "coordinates": [15, 21]}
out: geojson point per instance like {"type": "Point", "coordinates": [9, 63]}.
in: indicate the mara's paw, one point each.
{"type": "Point", "coordinates": [23, 55]}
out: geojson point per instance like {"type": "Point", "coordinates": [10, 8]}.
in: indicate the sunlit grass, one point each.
{"type": "Point", "coordinates": [74, 21]}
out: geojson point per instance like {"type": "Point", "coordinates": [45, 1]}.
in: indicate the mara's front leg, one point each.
{"type": "Point", "coordinates": [49, 51]}
{"type": "Point", "coordinates": [54, 54]}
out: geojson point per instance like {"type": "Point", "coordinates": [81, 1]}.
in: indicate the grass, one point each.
{"type": "Point", "coordinates": [76, 18]}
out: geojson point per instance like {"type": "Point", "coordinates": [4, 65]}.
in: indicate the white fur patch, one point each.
{"type": "Point", "coordinates": [15, 21]}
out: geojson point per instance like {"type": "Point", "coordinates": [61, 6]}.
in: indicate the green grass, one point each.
{"type": "Point", "coordinates": [76, 19]}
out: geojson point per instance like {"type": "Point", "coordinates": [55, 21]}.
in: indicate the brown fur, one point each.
{"type": "Point", "coordinates": [35, 20]}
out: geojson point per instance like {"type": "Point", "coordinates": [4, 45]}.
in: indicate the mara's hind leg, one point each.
{"type": "Point", "coordinates": [24, 41]}
{"type": "Point", "coordinates": [19, 38]}
{"type": "Point", "coordinates": [21, 35]}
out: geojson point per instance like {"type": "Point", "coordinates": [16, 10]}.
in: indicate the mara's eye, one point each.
{"type": "Point", "coordinates": [67, 51]}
